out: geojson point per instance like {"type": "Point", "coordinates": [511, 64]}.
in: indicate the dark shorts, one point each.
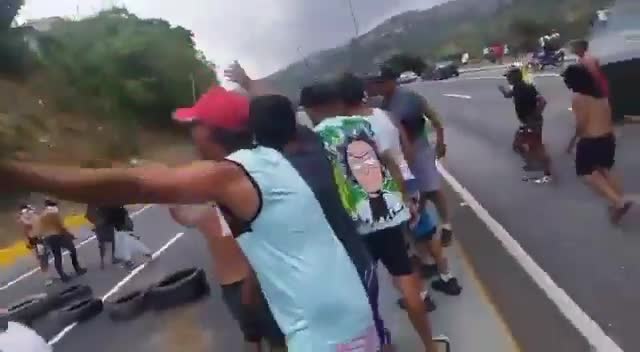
{"type": "Point", "coordinates": [530, 136]}
{"type": "Point", "coordinates": [388, 246]}
{"type": "Point", "coordinates": [595, 153]}
{"type": "Point", "coordinates": [256, 322]}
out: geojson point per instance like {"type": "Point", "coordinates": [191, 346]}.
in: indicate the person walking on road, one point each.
{"type": "Point", "coordinates": [596, 141]}
{"type": "Point", "coordinates": [352, 91]}
{"type": "Point", "coordinates": [372, 191]}
{"type": "Point", "coordinates": [28, 220]}
{"type": "Point", "coordinates": [529, 105]}
{"type": "Point", "coordinates": [420, 155]}
{"type": "Point", "coordinates": [311, 285]}
{"type": "Point", "coordinates": [240, 290]}
{"type": "Point", "coordinates": [104, 230]}
{"type": "Point", "coordinates": [57, 237]}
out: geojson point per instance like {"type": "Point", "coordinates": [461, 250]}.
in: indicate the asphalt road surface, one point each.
{"type": "Point", "coordinates": [471, 321]}
{"type": "Point", "coordinates": [562, 226]}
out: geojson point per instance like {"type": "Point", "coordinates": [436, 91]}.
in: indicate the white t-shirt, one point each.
{"type": "Point", "coordinates": [19, 338]}
{"type": "Point", "coordinates": [388, 139]}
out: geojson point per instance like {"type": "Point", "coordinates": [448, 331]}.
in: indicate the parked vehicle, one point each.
{"type": "Point", "coordinates": [615, 40]}
{"type": "Point", "coordinates": [407, 77]}
{"type": "Point", "coordinates": [445, 70]}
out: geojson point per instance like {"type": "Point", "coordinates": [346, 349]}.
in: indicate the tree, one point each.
{"type": "Point", "coordinates": [525, 33]}
{"type": "Point", "coordinates": [8, 11]}
{"type": "Point", "coordinates": [126, 68]}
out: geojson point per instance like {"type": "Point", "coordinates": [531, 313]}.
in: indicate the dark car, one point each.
{"type": "Point", "coordinates": [615, 40]}
{"type": "Point", "coordinates": [444, 70]}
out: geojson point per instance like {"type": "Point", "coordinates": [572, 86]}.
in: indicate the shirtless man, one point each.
{"type": "Point", "coordinates": [591, 63]}
{"type": "Point", "coordinates": [596, 142]}
{"type": "Point", "coordinates": [235, 276]}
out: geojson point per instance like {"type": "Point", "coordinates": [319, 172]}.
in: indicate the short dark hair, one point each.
{"type": "Point", "coordinates": [580, 44]}
{"type": "Point", "coordinates": [578, 78]}
{"type": "Point", "coordinates": [273, 120]}
{"type": "Point", "coordinates": [319, 94]}
{"type": "Point", "coordinates": [232, 140]}
{"type": "Point", "coordinates": [352, 89]}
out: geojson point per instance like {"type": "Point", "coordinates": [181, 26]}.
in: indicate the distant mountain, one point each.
{"type": "Point", "coordinates": [449, 28]}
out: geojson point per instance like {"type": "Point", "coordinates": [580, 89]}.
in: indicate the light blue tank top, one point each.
{"type": "Point", "coordinates": [311, 285]}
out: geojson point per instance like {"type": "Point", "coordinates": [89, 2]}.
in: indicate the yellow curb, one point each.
{"type": "Point", "coordinates": [11, 254]}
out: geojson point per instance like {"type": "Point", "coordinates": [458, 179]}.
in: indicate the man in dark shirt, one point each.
{"type": "Point", "coordinates": [529, 105]}
{"type": "Point", "coordinates": [305, 151]}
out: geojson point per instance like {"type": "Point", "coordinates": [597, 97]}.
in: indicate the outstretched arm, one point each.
{"type": "Point", "coordinates": [236, 73]}
{"type": "Point", "coordinates": [195, 183]}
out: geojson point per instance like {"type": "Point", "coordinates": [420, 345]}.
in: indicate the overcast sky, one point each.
{"type": "Point", "coordinates": [264, 35]}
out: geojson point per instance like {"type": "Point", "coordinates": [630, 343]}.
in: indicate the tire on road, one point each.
{"type": "Point", "coordinates": [182, 287]}
{"type": "Point", "coordinates": [69, 294]}
{"type": "Point", "coordinates": [128, 306]}
{"type": "Point", "coordinates": [81, 310]}
{"type": "Point", "coordinates": [29, 309]}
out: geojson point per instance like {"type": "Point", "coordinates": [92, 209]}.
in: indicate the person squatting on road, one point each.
{"type": "Point", "coordinates": [305, 151]}
{"type": "Point", "coordinates": [312, 287]}
{"type": "Point", "coordinates": [28, 220]}
{"type": "Point", "coordinates": [372, 191]}
{"type": "Point", "coordinates": [352, 90]}
{"type": "Point", "coordinates": [529, 105]}
{"type": "Point", "coordinates": [596, 141]}
{"type": "Point", "coordinates": [240, 291]}
{"type": "Point", "coordinates": [56, 237]}
{"type": "Point", "coordinates": [420, 154]}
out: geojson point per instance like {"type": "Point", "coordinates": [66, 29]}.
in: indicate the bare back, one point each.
{"type": "Point", "coordinates": [593, 115]}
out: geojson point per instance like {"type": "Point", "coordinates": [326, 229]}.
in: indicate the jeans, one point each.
{"type": "Point", "coordinates": [58, 242]}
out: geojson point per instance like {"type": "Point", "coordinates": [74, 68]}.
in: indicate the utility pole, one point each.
{"type": "Point", "coordinates": [353, 45]}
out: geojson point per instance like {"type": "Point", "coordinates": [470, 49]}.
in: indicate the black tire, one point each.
{"type": "Point", "coordinates": [29, 309]}
{"type": "Point", "coordinates": [81, 310]}
{"type": "Point", "coordinates": [182, 287]}
{"type": "Point", "coordinates": [69, 294]}
{"type": "Point", "coordinates": [128, 306]}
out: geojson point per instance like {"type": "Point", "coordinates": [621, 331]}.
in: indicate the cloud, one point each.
{"type": "Point", "coordinates": [264, 35]}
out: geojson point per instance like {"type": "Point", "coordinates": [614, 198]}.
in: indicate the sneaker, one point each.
{"type": "Point", "coordinates": [81, 271]}
{"type": "Point", "coordinates": [543, 180]}
{"type": "Point", "coordinates": [428, 270]}
{"type": "Point", "coordinates": [451, 287]}
{"type": "Point", "coordinates": [446, 237]}
{"type": "Point", "coordinates": [48, 282]}
{"type": "Point", "coordinates": [618, 214]}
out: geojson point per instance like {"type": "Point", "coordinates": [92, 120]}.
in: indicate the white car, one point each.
{"type": "Point", "coordinates": [407, 77]}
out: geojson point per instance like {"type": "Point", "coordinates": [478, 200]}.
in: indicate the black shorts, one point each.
{"type": "Point", "coordinates": [595, 153]}
{"type": "Point", "coordinates": [256, 322]}
{"type": "Point", "coordinates": [388, 246]}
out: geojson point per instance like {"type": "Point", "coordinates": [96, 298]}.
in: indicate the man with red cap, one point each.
{"type": "Point", "coordinates": [312, 287]}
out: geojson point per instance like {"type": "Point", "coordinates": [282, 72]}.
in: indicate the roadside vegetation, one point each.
{"type": "Point", "coordinates": [92, 91]}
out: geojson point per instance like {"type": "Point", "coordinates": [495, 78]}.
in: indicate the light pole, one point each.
{"type": "Point", "coordinates": [353, 46]}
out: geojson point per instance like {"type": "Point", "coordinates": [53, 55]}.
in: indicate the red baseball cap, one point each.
{"type": "Point", "coordinates": [217, 108]}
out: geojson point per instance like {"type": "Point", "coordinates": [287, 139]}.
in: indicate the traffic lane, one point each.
{"type": "Point", "coordinates": [202, 326]}
{"type": "Point", "coordinates": [155, 227]}
{"type": "Point", "coordinates": [563, 226]}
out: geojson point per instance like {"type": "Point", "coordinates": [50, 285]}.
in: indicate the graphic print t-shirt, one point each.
{"type": "Point", "coordinates": [367, 190]}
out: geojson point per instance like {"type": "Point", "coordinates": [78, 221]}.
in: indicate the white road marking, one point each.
{"type": "Point", "coordinates": [80, 245]}
{"type": "Point", "coordinates": [540, 75]}
{"type": "Point", "coordinates": [457, 96]}
{"type": "Point", "coordinates": [570, 109]}
{"type": "Point", "coordinates": [592, 332]}
{"type": "Point", "coordinates": [118, 286]}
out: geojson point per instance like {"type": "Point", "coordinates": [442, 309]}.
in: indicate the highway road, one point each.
{"type": "Point", "coordinates": [563, 227]}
